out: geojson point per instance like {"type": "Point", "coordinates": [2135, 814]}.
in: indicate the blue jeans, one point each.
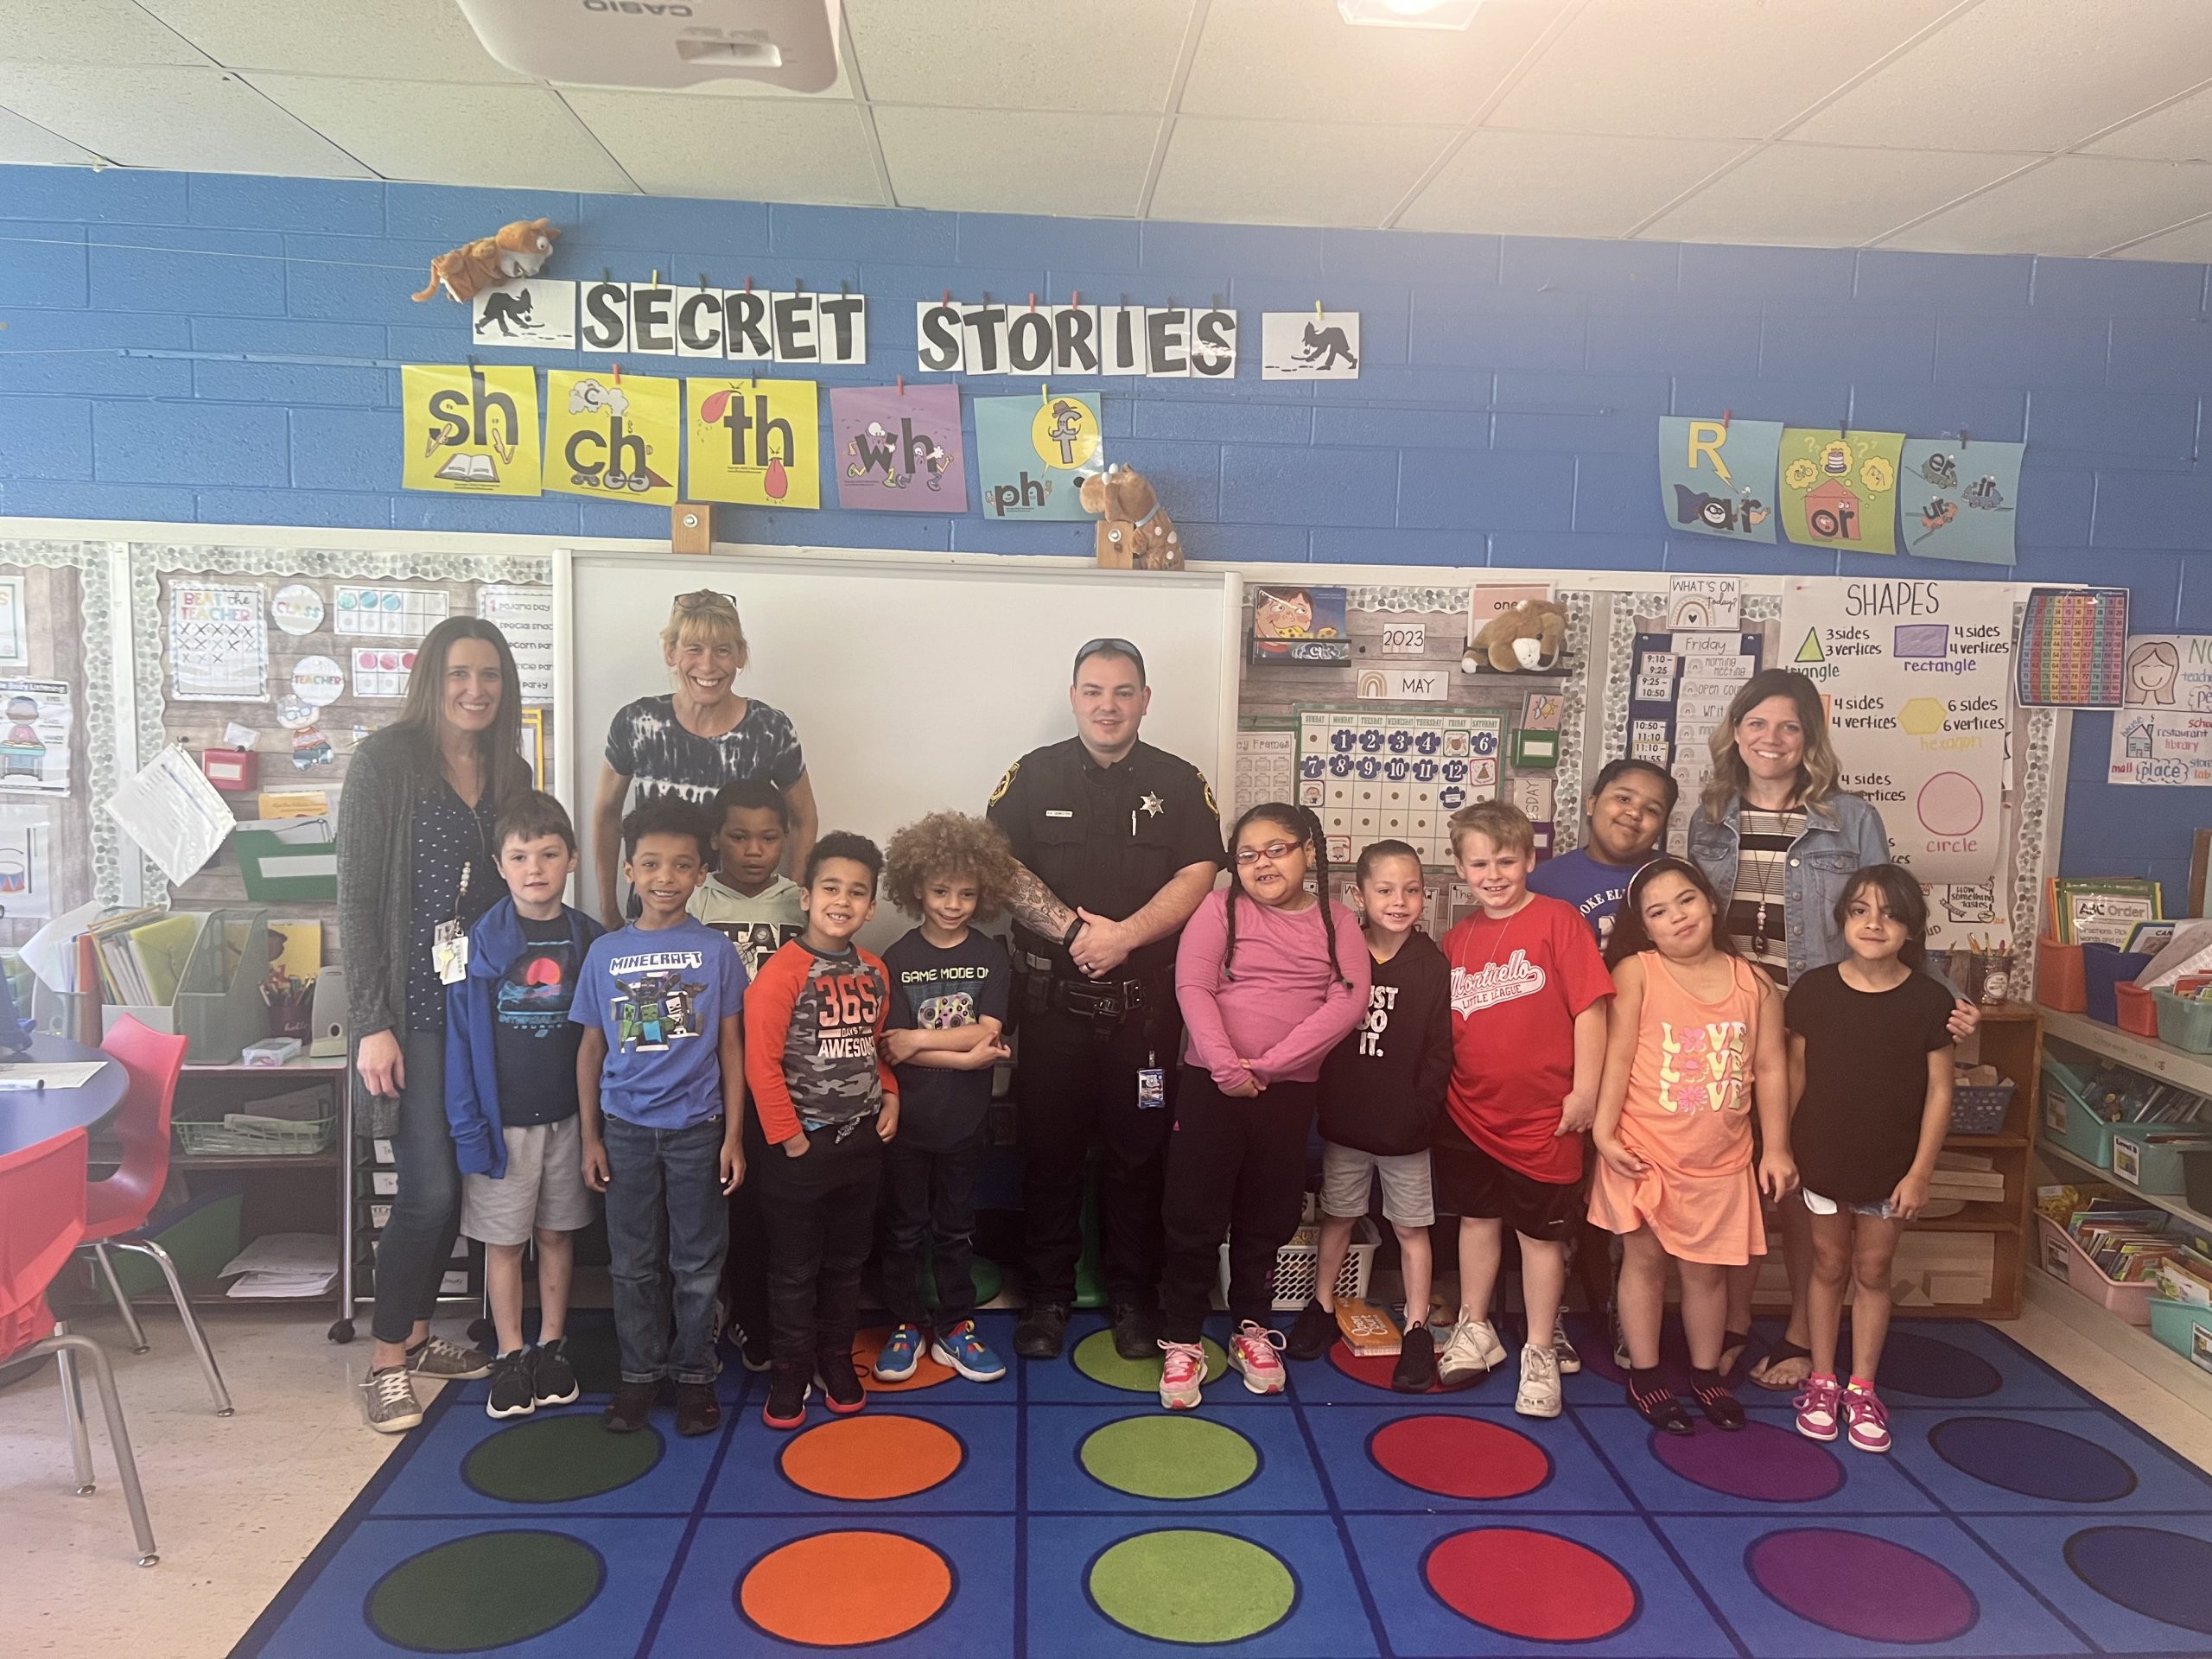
{"type": "Point", "coordinates": [667, 1231]}
{"type": "Point", "coordinates": [417, 1245]}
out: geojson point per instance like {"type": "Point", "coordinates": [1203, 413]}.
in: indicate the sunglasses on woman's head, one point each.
{"type": "Point", "coordinates": [704, 599]}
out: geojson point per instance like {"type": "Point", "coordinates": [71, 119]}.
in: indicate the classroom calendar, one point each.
{"type": "Point", "coordinates": [1380, 774]}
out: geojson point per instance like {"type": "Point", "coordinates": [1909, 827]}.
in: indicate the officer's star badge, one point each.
{"type": "Point", "coordinates": [1153, 806]}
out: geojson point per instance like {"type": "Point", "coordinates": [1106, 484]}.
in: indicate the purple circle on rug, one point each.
{"type": "Point", "coordinates": [1763, 1463]}
{"type": "Point", "coordinates": [1860, 1585]}
{"type": "Point", "coordinates": [2032, 1459]}
{"type": "Point", "coordinates": [1936, 1370]}
{"type": "Point", "coordinates": [2147, 1570]}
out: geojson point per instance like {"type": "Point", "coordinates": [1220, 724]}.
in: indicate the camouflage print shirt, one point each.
{"type": "Point", "coordinates": [811, 1022]}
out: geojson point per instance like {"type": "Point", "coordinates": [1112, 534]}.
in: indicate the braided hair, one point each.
{"type": "Point", "coordinates": [1300, 822]}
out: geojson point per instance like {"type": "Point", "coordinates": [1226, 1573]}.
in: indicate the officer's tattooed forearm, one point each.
{"type": "Point", "coordinates": [1037, 908]}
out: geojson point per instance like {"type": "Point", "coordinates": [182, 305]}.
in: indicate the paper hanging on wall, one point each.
{"type": "Point", "coordinates": [1840, 490]}
{"type": "Point", "coordinates": [310, 748]}
{"type": "Point", "coordinates": [1696, 602]}
{"type": "Point", "coordinates": [1959, 499]}
{"type": "Point", "coordinates": [382, 671]}
{"type": "Point", "coordinates": [1716, 477]}
{"type": "Point", "coordinates": [318, 680]}
{"type": "Point", "coordinates": [1305, 345]}
{"type": "Point", "coordinates": [1033, 453]}
{"type": "Point", "coordinates": [756, 442]}
{"type": "Point", "coordinates": [525, 616]}
{"type": "Point", "coordinates": [469, 430]}
{"type": "Point", "coordinates": [294, 711]}
{"type": "Point", "coordinates": [14, 623]}
{"type": "Point", "coordinates": [1293, 625]}
{"type": "Point", "coordinates": [898, 451]}
{"type": "Point", "coordinates": [35, 725]}
{"type": "Point", "coordinates": [2163, 733]}
{"type": "Point", "coordinates": [238, 736]}
{"type": "Point", "coordinates": [26, 861]}
{"type": "Point", "coordinates": [219, 644]}
{"type": "Point", "coordinates": [2073, 648]}
{"type": "Point", "coordinates": [390, 613]}
{"type": "Point", "coordinates": [173, 814]}
{"type": "Point", "coordinates": [615, 439]}
{"type": "Point", "coordinates": [296, 609]}
{"type": "Point", "coordinates": [528, 312]}
{"type": "Point", "coordinates": [744, 325]}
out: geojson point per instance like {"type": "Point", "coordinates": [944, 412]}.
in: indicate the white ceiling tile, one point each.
{"type": "Point", "coordinates": [2191, 245]}
{"type": "Point", "coordinates": [1818, 196]}
{"type": "Point", "coordinates": [91, 31]}
{"type": "Point", "coordinates": [1704, 68]}
{"type": "Point", "coordinates": [518, 137]}
{"type": "Point", "coordinates": [189, 120]}
{"type": "Point", "coordinates": [740, 148]}
{"type": "Point", "coordinates": [404, 40]}
{"type": "Point", "coordinates": [2075, 205]}
{"type": "Point", "coordinates": [2024, 75]}
{"type": "Point", "coordinates": [1262, 58]}
{"type": "Point", "coordinates": [1018, 54]}
{"type": "Point", "coordinates": [1562, 184]}
{"type": "Point", "coordinates": [1290, 172]}
{"type": "Point", "coordinates": [26, 143]}
{"type": "Point", "coordinates": [1061, 163]}
{"type": "Point", "coordinates": [2180, 132]}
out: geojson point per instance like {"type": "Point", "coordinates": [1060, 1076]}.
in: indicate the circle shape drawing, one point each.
{"type": "Point", "coordinates": [1192, 1587]}
{"type": "Point", "coordinates": [1951, 805]}
{"type": "Point", "coordinates": [1763, 1463]}
{"type": "Point", "coordinates": [485, 1591]}
{"type": "Point", "coordinates": [561, 1459]}
{"type": "Point", "coordinates": [866, 1344]}
{"type": "Point", "coordinates": [887, 1584]}
{"type": "Point", "coordinates": [868, 1458]}
{"type": "Point", "coordinates": [1857, 1585]}
{"type": "Point", "coordinates": [2032, 1459]}
{"type": "Point", "coordinates": [1096, 1358]}
{"type": "Point", "coordinates": [1536, 1585]}
{"type": "Point", "coordinates": [296, 609]}
{"type": "Point", "coordinates": [1459, 1457]}
{"type": "Point", "coordinates": [2147, 1570]}
{"type": "Point", "coordinates": [1936, 1370]}
{"type": "Point", "coordinates": [318, 681]}
{"type": "Point", "coordinates": [1178, 1458]}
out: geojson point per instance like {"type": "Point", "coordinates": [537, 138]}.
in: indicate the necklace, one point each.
{"type": "Point", "coordinates": [1760, 939]}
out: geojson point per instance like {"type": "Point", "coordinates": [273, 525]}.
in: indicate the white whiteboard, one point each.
{"type": "Point", "coordinates": [913, 680]}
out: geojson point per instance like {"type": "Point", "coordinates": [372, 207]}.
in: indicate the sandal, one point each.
{"type": "Point", "coordinates": [1722, 1409]}
{"type": "Point", "coordinates": [1781, 1354]}
{"type": "Point", "coordinates": [1661, 1410]}
{"type": "Point", "coordinates": [1733, 1342]}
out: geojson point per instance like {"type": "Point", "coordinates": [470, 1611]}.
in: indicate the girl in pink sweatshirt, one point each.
{"type": "Point", "coordinates": [1269, 979]}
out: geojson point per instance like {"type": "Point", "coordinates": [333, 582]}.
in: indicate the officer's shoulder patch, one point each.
{"type": "Point", "coordinates": [1005, 783]}
{"type": "Point", "coordinates": [1206, 789]}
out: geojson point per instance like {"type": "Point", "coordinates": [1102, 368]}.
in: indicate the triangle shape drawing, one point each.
{"type": "Point", "coordinates": [1810, 651]}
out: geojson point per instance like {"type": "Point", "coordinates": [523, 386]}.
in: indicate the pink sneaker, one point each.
{"type": "Point", "coordinates": [1181, 1374]}
{"type": "Point", "coordinates": [1257, 1353]}
{"type": "Point", "coordinates": [1818, 1411]}
{"type": "Point", "coordinates": [1868, 1423]}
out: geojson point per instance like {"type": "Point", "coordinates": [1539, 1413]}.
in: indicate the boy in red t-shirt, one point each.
{"type": "Point", "coordinates": [1529, 999]}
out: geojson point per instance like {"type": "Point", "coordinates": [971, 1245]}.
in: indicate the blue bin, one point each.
{"type": "Point", "coordinates": [2103, 967]}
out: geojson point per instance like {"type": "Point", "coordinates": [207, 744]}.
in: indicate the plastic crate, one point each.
{"type": "Point", "coordinates": [2135, 1010]}
{"type": "Point", "coordinates": [1297, 1267]}
{"type": "Point", "coordinates": [2145, 1165]}
{"type": "Point", "coordinates": [2185, 1327]}
{"type": "Point", "coordinates": [255, 1137]}
{"type": "Point", "coordinates": [2103, 968]}
{"type": "Point", "coordinates": [1980, 1108]}
{"type": "Point", "coordinates": [2184, 1021]}
{"type": "Point", "coordinates": [2064, 1259]}
{"type": "Point", "coordinates": [2058, 977]}
{"type": "Point", "coordinates": [2068, 1120]}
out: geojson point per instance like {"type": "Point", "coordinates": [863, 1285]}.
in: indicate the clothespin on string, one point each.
{"type": "Point", "coordinates": [1965, 437]}
{"type": "Point", "coordinates": [1032, 299]}
{"type": "Point", "coordinates": [902, 385]}
{"type": "Point", "coordinates": [1726, 416]}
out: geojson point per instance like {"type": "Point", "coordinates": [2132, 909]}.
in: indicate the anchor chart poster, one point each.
{"type": "Point", "coordinates": [1716, 478]}
{"type": "Point", "coordinates": [1959, 499]}
{"type": "Point", "coordinates": [899, 450]}
{"type": "Point", "coordinates": [1840, 489]}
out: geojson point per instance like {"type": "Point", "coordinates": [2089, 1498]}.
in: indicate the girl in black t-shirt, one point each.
{"type": "Point", "coordinates": [1870, 1072]}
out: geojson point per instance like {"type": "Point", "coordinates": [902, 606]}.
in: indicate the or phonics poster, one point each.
{"type": "Point", "coordinates": [2163, 733]}
{"type": "Point", "coordinates": [469, 430]}
{"type": "Point", "coordinates": [1033, 453]}
{"type": "Point", "coordinates": [1309, 346]}
{"type": "Point", "coordinates": [1716, 477]}
{"type": "Point", "coordinates": [35, 719]}
{"type": "Point", "coordinates": [899, 449]}
{"type": "Point", "coordinates": [525, 616]}
{"type": "Point", "coordinates": [530, 311]}
{"type": "Point", "coordinates": [1840, 489]}
{"type": "Point", "coordinates": [218, 643]}
{"type": "Point", "coordinates": [615, 437]}
{"type": "Point", "coordinates": [1917, 676]}
{"type": "Point", "coordinates": [1959, 498]}
{"type": "Point", "coordinates": [756, 442]}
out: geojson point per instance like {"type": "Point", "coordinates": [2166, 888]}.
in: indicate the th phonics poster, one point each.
{"type": "Point", "coordinates": [1716, 477]}
{"type": "Point", "coordinates": [899, 448]}
{"type": "Point", "coordinates": [1033, 453]}
{"type": "Point", "coordinates": [757, 442]}
{"type": "Point", "coordinates": [1840, 489]}
{"type": "Point", "coordinates": [1958, 499]}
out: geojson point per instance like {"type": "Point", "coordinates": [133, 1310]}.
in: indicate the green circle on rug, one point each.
{"type": "Point", "coordinates": [558, 1460]}
{"type": "Point", "coordinates": [1169, 1456]}
{"type": "Point", "coordinates": [485, 1591]}
{"type": "Point", "coordinates": [1096, 1358]}
{"type": "Point", "coordinates": [1192, 1587]}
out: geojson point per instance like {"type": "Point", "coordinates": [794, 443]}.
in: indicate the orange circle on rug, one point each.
{"type": "Point", "coordinates": [866, 1344]}
{"type": "Point", "coordinates": [868, 1459]}
{"type": "Point", "coordinates": [1536, 1586]}
{"type": "Point", "coordinates": [1459, 1457]}
{"type": "Point", "coordinates": [886, 1586]}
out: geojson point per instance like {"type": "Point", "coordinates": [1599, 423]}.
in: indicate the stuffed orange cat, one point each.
{"type": "Point", "coordinates": [518, 250]}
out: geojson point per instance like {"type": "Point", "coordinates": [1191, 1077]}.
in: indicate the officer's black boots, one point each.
{"type": "Point", "coordinates": [1038, 1336]}
{"type": "Point", "coordinates": [1136, 1332]}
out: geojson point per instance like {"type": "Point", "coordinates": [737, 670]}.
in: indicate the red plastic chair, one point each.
{"type": "Point", "coordinates": [41, 1223]}
{"type": "Point", "coordinates": [117, 1208]}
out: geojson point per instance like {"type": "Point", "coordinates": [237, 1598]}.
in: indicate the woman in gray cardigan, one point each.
{"type": "Point", "coordinates": [416, 858]}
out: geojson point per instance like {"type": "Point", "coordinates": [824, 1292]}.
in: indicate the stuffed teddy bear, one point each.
{"type": "Point", "coordinates": [518, 250]}
{"type": "Point", "coordinates": [1135, 532]}
{"type": "Point", "coordinates": [1525, 640]}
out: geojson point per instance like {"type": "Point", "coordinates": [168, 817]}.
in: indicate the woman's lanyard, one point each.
{"type": "Point", "coordinates": [450, 944]}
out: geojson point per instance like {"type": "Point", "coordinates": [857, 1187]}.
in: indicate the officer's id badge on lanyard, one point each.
{"type": "Point", "coordinates": [449, 943]}
{"type": "Point", "coordinates": [1152, 1084]}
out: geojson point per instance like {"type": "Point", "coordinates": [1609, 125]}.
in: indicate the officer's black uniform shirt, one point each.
{"type": "Point", "coordinates": [1106, 839]}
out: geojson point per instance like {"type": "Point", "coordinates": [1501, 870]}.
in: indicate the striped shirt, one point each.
{"type": "Point", "coordinates": [1763, 843]}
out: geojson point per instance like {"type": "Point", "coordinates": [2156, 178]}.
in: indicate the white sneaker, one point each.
{"type": "Point", "coordinates": [1471, 1353]}
{"type": "Point", "coordinates": [1539, 1394]}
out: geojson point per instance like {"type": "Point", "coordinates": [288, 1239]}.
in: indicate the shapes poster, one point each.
{"type": "Point", "coordinates": [1033, 453]}
{"type": "Point", "coordinates": [1840, 489]}
{"type": "Point", "coordinates": [899, 450]}
{"type": "Point", "coordinates": [1315, 346]}
{"type": "Point", "coordinates": [469, 430]}
{"type": "Point", "coordinates": [607, 435]}
{"type": "Point", "coordinates": [1300, 625]}
{"type": "Point", "coordinates": [755, 442]}
{"type": "Point", "coordinates": [2163, 733]}
{"type": "Point", "coordinates": [1716, 478]}
{"type": "Point", "coordinates": [219, 644]}
{"type": "Point", "coordinates": [1917, 677]}
{"type": "Point", "coordinates": [35, 719]}
{"type": "Point", "coordinates": [2073, 648]}
{"type": "Point", "coordinates": [1959, 499]}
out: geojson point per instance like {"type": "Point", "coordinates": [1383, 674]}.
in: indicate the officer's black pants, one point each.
{"type": "Point", "coordinates": [1070, 1086]}
{"type": "Point", "coordinates": [1239, 1168]}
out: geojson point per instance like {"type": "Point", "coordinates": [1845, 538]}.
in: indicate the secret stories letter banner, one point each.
{"type": "Point", "coordinates": [1716, 478]}
{"type": "Point", "coordinates": [1840, 489]}
{"type": "Point", "coordinates": [899, 450]}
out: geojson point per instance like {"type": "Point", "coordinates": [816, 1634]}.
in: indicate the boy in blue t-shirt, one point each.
{"type": "Point", "coordinates": [1629, 811]}
{"type": "Point", "coordinates": [660, 1074]}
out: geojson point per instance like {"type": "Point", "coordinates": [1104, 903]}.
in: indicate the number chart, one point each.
{"type": "Point", "coordinates": [1376, 773]}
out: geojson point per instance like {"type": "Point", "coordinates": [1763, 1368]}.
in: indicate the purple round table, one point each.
{"type": "Point", "coordinates": [29, 1116]}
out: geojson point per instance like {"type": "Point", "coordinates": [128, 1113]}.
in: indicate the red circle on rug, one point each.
{"type": "Point", "coordinates": [1459, 1457]}
{"type": "Point", "coordinates": [868, 1459]}
{"type": "Point", "coordinates": [866, 1344]}
{"type": "Point", "coordinates": [886, 1585]}
{"type": "Point", "coordinates": [1536, 1585]}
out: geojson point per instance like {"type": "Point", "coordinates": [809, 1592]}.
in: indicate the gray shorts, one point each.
{"type": "Point", "coordinates": [543, 1186]}
{"type": "Point", "coordinates": [1407, 1200]}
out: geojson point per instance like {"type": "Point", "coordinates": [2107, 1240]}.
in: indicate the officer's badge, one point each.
{"type": "Point", "coordinates": [1153, 807]}
{"type": "Point", "coordinates": [1006, 783]}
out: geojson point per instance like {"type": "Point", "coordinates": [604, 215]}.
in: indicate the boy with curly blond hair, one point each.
{"type": "Point", "coordinates": [949, 991]}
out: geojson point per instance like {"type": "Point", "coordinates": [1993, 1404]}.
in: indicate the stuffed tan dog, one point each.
{"type": "Point", "coordinates": [1134, 531]}
{"type": "Point", "coordinates": [518, 250]}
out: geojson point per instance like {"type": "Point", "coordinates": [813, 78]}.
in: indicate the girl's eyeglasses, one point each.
{"type": "Point", "coordinates": [1275, 852]}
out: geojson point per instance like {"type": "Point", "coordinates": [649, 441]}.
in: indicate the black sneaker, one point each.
{"type": "Point", "coordinates": [510, 1395]}
{"type": "Point", "coordinates": [839, 1383]}
{"type": "Point", "coordinates": [754, 1351]}
{"type": "Point", "coordinates": [553, 1380]}
{"type": "Point", "coordinates": [1314, 1329]}
{"type": "Point", "coordinates": [1415, 1371]}
{"type": "Point", "coordinates": [1038, 1336]}
{"type": "Point", "coordinates": [1136, 1331]}
{"type": "Point", "coordinates": [632, 1402]}
{"type": "Point", "coordinates": [785, 1406]}
{"type": "Point", "coordinates": [697, 1411]}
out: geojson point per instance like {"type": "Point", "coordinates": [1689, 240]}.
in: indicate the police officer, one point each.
{"type": "Point", "coordinates": [1118, 842]}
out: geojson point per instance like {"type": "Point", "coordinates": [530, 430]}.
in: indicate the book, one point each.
{"type": "Point", "coordinates": [1367, 1330]}
{"type": "Point", "coordinates": [161, 950]}
{"type": "Point", "coordinates": [2101, 910]}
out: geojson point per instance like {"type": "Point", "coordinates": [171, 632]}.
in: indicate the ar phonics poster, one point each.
{"type": "Point", "coordinates": [1031, 453]}
{"type": "Point", "coordinates": [1840, 489]}
{"type": "Point", "coordinates": [1716, 478]}
{"type": "Point", "coordinates": [613, 436]}
{"type": "Point", "coordinates": [1958, 499]}
{"type": "Point", "coordinates": [756, 442]}
{"type": "Point", "coordinates": [897, 449]}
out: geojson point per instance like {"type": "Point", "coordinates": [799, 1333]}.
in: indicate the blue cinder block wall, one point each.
{"type": "Point", "coordinates": [1504, 415]}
